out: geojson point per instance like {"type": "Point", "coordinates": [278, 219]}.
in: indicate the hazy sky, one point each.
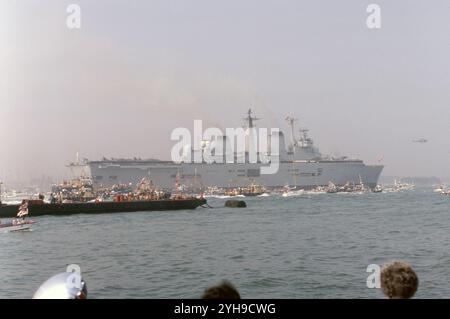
{"type": "Point", "coordinates": [135, 70]}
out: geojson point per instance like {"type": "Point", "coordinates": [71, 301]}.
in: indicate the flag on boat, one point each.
{"type": "Point", "coordinates": [177, 181]}
{"type": "Point", "coordinates": [23, 210]}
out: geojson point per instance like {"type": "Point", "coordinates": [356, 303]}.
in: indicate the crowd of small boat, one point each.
{"type": "Point", "coordinates": [287, 191]}
{"type": "Point", "coordinates": [82, 190]}
{"type": "Point", "coordinates": [78, 196]}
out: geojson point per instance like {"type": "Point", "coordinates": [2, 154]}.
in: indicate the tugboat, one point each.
{"type": "Point", "coordinates": [20, 223]}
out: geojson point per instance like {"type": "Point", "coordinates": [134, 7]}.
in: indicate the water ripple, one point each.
{"type": "Point", "coordinates": [308, 246]}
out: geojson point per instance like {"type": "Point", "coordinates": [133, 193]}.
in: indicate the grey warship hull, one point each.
{"type": "Point", "coordinates": [301, 174]}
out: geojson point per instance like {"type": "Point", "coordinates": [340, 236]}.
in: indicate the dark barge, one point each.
{"type": "Point", "coordinates": [40, 208]}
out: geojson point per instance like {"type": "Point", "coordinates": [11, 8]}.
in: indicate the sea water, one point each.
{"type": "Point", "coordinates": [305, 246]}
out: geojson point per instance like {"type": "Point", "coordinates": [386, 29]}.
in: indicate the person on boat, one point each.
{"type": "Point", "coordinates": [52, 198]}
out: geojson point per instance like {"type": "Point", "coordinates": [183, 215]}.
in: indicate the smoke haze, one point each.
{"type": "Point", "coordinates": [136, 70]}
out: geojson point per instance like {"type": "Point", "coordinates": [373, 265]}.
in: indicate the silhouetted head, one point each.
{"type": "Point", "coordinates": [398, 280]}
{"type": "Point", "coordinates": [224, 290]}
{"type": "Point", "coordinates": [62, 286]}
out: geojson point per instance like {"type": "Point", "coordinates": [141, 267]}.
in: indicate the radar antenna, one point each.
{"type": "Point", "coordinates": [304, 132]}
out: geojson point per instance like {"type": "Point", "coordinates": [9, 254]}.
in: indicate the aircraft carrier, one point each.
{"type": "Point", "coordinates": [301, 165]}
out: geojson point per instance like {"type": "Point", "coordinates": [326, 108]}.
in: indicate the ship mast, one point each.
{"type": "Point", "coordinates": [249, 119]}
{"type": "Point", "coordinates": [291, 122]}
{"type": "Point", "coordinates": [251, 138]}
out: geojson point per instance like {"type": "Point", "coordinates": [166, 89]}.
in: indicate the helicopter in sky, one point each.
{"type": "Point", "coordinates": [420, 140]}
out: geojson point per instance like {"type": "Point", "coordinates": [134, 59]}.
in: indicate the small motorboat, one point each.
{"type": "Point", "coordinates": [439, 189]}
{"type": "Point", "coordinates": [20, 223]}
{"type": "Point", "coordinates": [378, 189]}
{"type": "Point", "coordinates": [16, 225]}
{"type": "Point", "coordinates": [331, 188]}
